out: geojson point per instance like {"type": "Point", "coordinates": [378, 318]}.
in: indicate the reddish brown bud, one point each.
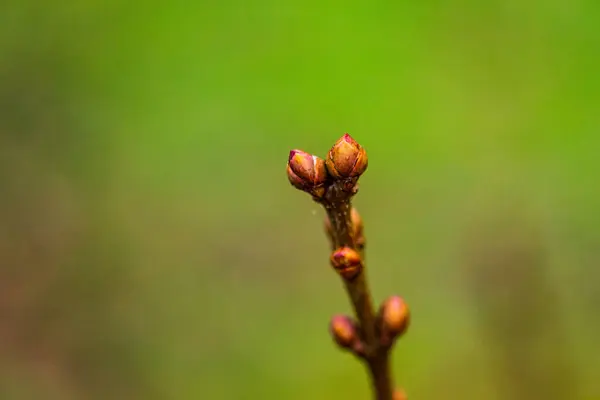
{"type": "Point", "coordinates": [346, 262]}
{"type": "Point", "coordinates": [399, 394]}
{"type": "Point", "coordinates": [307, 172]}
{"type": "Point", "coordinates": [395, 316]}
{"type": "Point", "coordinates": [343, 331]}
{"type": "Point", "coordinates": [347, 158]}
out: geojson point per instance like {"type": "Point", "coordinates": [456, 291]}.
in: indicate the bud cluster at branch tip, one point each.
{"type": "Point", "coordinates": [307, 172]}
{"type": "Point", "coordinates": [343, 331]}
{"type": "Point", "coordinates": [394, 318]}
{"type": "Point", "coordinates": [347, 262]}
{"type": "Point", "coordinates": [346, 159]}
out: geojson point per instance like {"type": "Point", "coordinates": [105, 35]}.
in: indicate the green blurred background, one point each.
{"type": "Point", "coordinates": [152, 248]}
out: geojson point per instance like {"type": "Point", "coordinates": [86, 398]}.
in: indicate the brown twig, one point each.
{"type": "Point", "coordinates": [333, 183]}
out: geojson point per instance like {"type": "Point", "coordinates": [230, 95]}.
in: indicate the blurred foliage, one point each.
{"type": "Point", "coordinates": [151, 246]}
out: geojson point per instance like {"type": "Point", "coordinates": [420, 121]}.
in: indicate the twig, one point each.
{"type": "Point", "coordinates": [332, 183]}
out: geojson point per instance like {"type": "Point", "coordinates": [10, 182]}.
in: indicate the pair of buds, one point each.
{"type": "Point", "coordinates": [393, 319]}
{"type": "Point", "coordinates": [346, 160]}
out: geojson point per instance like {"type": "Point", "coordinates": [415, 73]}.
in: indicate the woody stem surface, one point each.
{"type": "Point", "coordinates": [338, 208]}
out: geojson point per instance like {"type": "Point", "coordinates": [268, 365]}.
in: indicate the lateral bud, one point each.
{"type": "Point", "coordinates": [357, 226]}
{"type": "Point", "coordinates": [346, 159]}
{"type": "Point", "coordinates": [347, 262]}
{"type": "Point", "coordinates": [399, 394]}
{"type": "Point", "coordinates": [394, 317]}
{"type": "Point", "coordinates": [344, 333]}
{"type": "Point", "coordinates": [357, 229]}
{"type": "Point", "coordinates": [307, 172]}
{"type": "Point", "coordinates": [357, 223]}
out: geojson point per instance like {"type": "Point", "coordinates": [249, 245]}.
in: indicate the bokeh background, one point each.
{"type": "Point", "coordinates": [152, 248]}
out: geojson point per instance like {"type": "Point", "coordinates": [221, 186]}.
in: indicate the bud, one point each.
{"type": "Point", "coordinates": [357, 223]}
{"type": "Point", "coordinates": [307, 172]}
{"type": "Point", "coordinates": [347, 262]}
{"type": "Point", "coordinates": [394, 316]}
{"type": "Point", "coordinates": [399, 394]}
{"type": "Point", "coordinates": [343, 331]}
{"type": "Point", "coordinates": [347, 158]}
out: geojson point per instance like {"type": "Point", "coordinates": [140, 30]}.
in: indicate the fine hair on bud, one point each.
{"type": "Point", "coordinates": [346, 159]}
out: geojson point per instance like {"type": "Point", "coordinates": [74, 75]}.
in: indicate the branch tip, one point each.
{"type": "Point", "coordinates": [346, 159]}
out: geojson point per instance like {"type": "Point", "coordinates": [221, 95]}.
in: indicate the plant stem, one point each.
{"type": "Point", "coordinates": [376, 358]}
{"type": "Point", "coordinates": [381, 377]}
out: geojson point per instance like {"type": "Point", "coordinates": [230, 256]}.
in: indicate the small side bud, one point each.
{"type": "Point", "coordinates": [357, 222]}
{"type": "Point", "coordinates": [394, 316]}
{"type": "Point", "coordinates": [399, 394]}
{"type": "Point", "coordinates": [347, 262]}
{"type": "Point", "coordinates": [344, 333]}
{"type": "Point", "coordinates": [357, 229]}
{"type": "Point", "coordinates": [346, 159]}
{"type": "Point", "coordinates": [307, 172]}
